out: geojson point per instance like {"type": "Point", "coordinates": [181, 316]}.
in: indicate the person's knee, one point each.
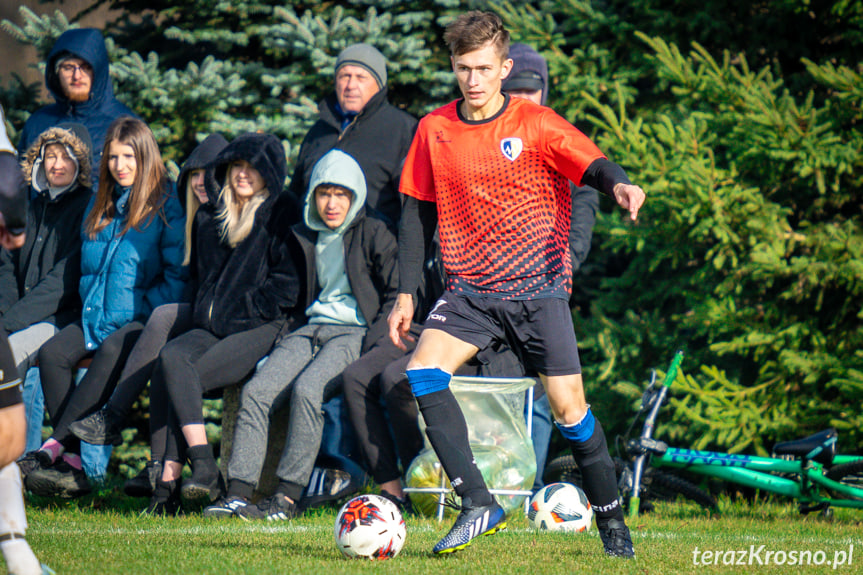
{"type": "Point", "coordinates": [424, 381]}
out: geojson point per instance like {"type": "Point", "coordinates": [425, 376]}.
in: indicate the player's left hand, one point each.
{"type": "Point", "coordinates": [629, 197]}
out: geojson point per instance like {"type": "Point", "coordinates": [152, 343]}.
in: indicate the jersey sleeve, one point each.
{"type": "Point", "coordinates": [417, 178]}
{"type": "Point", "coordinates": [566, 148]}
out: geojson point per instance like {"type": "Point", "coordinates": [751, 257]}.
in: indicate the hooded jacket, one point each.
{"type": "Point", "coordinates": [202, 158]}
{"type": "Point", "coordinates": [369, 248]}
{"type": "Point", "coordinates": [255, 282]}
{"type": "Point", "coordinates": [125, 277]}
{"type": "Point", "coordinates": [97, 112]}
{"type": "Point", "coordinates": [378, 139]}
{"type": "Point", "coordinates": [39, 282]}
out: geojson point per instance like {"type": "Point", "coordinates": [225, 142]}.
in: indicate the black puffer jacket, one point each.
{"type": "Point", "coordinates": [39, 282]}
{"type": "Point", "coordinates": [255, 282]}
{"type": "Point", "coordinates": [378, 138]}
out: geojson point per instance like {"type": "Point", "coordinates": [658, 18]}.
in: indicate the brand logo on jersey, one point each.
{"type": "Point", "coordinates": [511, 148]}
{"type": "Point", "coordinates": [442, 138]}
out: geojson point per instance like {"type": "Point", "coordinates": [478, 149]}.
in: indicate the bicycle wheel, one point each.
{"type": "Point", "coordinates": [656, 485]}
{"type": "Point", "coordinates": [848, 473]}
{"type": "Point", "coordinates": [664, 486]}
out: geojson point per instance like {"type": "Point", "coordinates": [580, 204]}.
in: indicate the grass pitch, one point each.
{"type": "Point", "coordinates": [96, 536]}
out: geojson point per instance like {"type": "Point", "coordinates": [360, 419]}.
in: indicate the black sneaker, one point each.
{"type": "Point", "coordinates": [470, 524]}
{"type": "Point", "coordinates": [196, 488]}
{"type": "Point", "coordinates": [28, 463]}
{"type": "Point", "coordinates": [58, 480]}
{"type": "Point", "coordinates": [225, 507]}
{"type": "Point", "coordinates": [327, 485]}
{"type": "Point", "coordinates": [405, 504]}
{"type": "Point", "coordinates": [143, 484]}
{"type": "Point", "coordinates": [100, 428]}
{"type": "Point", "coordinates": [616, 539]}
{"type": "Point", "coordinates": [165, 501]}
{"type": "Point", "coordinates": [277, 507]}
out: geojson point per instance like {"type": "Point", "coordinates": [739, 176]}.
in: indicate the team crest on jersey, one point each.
{"type": "Point", "coordinates": [511, 148]}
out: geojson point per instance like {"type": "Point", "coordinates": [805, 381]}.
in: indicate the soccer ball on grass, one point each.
{"type": "Point", "coordinates": [370, 526]}
{"type": "Point", "coordinates": [560, 507]}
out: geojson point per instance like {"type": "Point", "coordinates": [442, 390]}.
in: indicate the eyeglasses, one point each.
{"type": "Point", "coordinates": [70, 68]}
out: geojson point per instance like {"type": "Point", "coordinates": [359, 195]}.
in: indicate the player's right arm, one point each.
{"type": "Point", "coordinates": [416, 229]}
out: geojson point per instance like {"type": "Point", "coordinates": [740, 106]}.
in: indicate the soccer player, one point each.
{"type": "Point", "coordinates": [491, 171]}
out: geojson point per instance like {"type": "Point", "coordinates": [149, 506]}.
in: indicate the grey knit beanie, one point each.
{"type": "Point", "coordinates": [368, 57]}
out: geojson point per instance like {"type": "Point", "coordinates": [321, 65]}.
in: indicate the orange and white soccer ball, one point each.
{"type": "Point", "coordinates": [371, 527]}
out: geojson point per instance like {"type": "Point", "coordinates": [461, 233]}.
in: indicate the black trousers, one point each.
{"type": "Point", "coordinates": [194, 365]}
{"type": "Point", "coordinates": [58, 358]}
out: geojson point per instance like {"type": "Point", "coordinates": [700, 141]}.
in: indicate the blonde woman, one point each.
{"type": "Point", "coordinates": [245, 286]}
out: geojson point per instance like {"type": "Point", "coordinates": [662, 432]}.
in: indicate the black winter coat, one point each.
{"type": "Point", "coordinates": [252, 284]}
{"type": "Point", "coordinates": [39, 282]}
{"type": "Point", "coordinates": [256, 282]}
{"type": "Point", "coordinates": [378, 139]}
{"type": "Point", "coordinates": [370, 262]}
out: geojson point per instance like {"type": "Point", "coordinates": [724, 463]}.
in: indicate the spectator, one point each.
{"type": "Point", "coordinates": [359, 120]}
{"type": "Point", "coordinates": [245, 287]}
{"type": "Point", "coordinates": [76, 74]}
{"type": "Point", "coordinates": [131, 262]}
{"type": "Point", "coordinates": [39, 282]}
{"type": "Point", "coordinates": [198, 184]}
{"type": "Point", "coordinates": [349, 260]}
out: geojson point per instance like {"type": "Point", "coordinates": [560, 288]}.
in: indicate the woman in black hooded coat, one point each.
{"type": "Point", "coordinates": [241, 305]}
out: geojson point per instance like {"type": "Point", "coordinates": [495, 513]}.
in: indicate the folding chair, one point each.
{"type": "Point", "coordinates": [494, 408]}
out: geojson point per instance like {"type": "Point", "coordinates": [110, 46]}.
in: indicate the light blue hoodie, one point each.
{"type": "Point", "coordinates": [336, 303]}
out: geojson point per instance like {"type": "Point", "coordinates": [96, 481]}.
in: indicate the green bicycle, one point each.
{"type": "Point", "coordinates": [808, 470]}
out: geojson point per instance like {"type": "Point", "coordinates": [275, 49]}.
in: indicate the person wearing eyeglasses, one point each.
{"type": "Point", "coordinates": [76, 74]}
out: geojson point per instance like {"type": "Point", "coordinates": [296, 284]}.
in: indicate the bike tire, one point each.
{"type": "Point", "coordinates": [664, 486]}
{"type": "Point", "coordinates": [656, 485]}
{"type": "Point", "coordinates": [850, 473]}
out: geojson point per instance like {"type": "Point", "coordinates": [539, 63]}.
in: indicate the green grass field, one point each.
{"type": "Point", "coordinates": [105, 535]}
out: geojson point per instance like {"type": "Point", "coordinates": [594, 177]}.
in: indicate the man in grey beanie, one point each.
{"type": "Point", "coordinates": [358, 119]}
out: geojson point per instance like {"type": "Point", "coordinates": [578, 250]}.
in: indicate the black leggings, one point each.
{"type": "Point", "coordinates": [66, 402]}
{"type": "Point", "coordinates": [196, 364]}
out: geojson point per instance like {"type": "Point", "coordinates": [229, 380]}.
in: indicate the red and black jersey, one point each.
{"type": "Point", "coordinates": [503, 198]}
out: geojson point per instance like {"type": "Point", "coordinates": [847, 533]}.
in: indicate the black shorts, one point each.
{"type": "Point", "coordinates": [540, 331]}
{"type": "Point", "coordinates": [10, 383]}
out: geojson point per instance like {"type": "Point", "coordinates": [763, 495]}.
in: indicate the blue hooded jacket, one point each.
{"type": "Point", "coordinates": [96, 113]}
{"type": "Point", "coordinates": [124, 278]}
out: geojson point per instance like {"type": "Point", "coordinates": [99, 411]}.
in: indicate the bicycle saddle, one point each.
{"type": "Point", "coordinates": [820, 447]}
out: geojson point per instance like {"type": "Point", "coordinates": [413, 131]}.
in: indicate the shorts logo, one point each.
{"type": "Point", "coordinates": [511, 148]}
{"type": "Point", "coordinates": [437, 316]}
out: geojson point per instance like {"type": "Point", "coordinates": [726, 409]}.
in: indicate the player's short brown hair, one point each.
{"type": "Point", "coordinates": [473, 30]}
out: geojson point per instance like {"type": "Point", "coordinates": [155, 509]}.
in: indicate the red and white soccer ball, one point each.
{"type": "Point", "coordinates": [371, 527]}
{"type": "Point", "coordinates": [560, 507]}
